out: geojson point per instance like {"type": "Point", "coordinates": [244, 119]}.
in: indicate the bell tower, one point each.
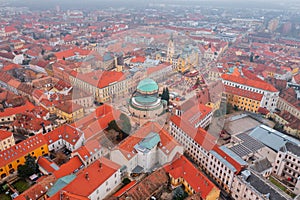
{"type": "Point", "coordinates": [170, 52]}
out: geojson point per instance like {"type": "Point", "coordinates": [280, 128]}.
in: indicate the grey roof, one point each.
{"type": "Point", "coordinates": [264, 188]}
{"type": "Point", "coordinates": [293, 148]}
{"type": "Point", "coordinates": [138, 169]}
{"type": "Point", "coordinates": [221, 159]}
{"type": "Point", "coordinates": [247, 146]}
{"type": "Point", "coordinates": [271, 138]}
{"type": "Point", "coordinates": [261, 165]}
{"type": "Point", "coordinates": [233, 155]}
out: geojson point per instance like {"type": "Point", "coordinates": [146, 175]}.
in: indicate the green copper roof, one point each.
{"type": "Point", "coordinates": [150, 141]}
{"type": "Point", "coordinates": [145, 99]}
{"type": "Point", "coordinates": [147, 85]}
{"type": "Point", "coordinates": [60, 184]}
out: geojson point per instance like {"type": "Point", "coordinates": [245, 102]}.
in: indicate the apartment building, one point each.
{"type": "Point", "coordinates": [269, 93]}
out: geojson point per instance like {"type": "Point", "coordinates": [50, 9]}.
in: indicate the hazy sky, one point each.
{"type": "Point", "coordinates": [46, 4]}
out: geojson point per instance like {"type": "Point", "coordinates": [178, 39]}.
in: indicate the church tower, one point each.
{"type": "Point", "coordinates": [170, 52]}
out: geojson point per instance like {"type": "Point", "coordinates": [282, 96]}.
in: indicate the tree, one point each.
{"type": "Point", "coordinates": [179, 194]}
{"type": "Point", "coordinates": [29, 168]}
{"type": "Point", "coordinates": [251, 57]}
{"type": "Point", "coordinates": [64, 58]}
{"type": "Point", "coordinates": [43, 52]}
{"type": "Point", "coordinates": [167, 95]}
{"type": "Point", "coordinates": [113, 125]}
{"type": "Point", "coordinates": [60, 158]}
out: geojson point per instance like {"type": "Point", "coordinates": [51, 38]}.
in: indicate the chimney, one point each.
{"type": "Point", "coordinates": [87, 176]}
{"type": "Point", "coordinates": [100, 165]}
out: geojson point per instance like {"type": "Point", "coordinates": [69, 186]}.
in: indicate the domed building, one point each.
{"type": "Point", "coordinates": [145, 102]}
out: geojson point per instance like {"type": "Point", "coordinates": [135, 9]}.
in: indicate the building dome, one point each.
{"type": "Point", "coordinates": [145, 102]}
{"type": "Point", "coordinates": [147, 86]}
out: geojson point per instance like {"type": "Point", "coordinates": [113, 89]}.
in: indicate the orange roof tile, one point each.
{"type": "Point", "coordinates": [100, 79]}
{"type": "Point", "coordinates": [181, 167]}
{"type": "Point", "coordinates": [145, 188]}
{"type": "Point", "coordinates": [71, 52]}
{"type": "Point", "coordinates": [5, 134]}
{"type": "Point", "coordinates": [68, 168]}
{"type": "Point", "coordinates": [89, 148]}
{"type": "Point", "coordinates": [151, 70]}
{"type": "Point", "coordinates": [195, 112]}
{"type": "Point", "coordinates": [46, 164]}
{"type": "Point", "coordinates": [243, 93]}
{"type": "Point", "coordinates": [201, 136]}
{"type": "Point", "coordinates": [167, 142]}
{"type": "Point", "coordinates": [67, 107]}
{"type": "Point", "coordinates": [39, 189]}
{"type": "Point", "coordinates": [124, 189]}
{"type": "Point", "coordinates": [16, 110]}
{"type": "Point", "coordinates": [252, 83]}
{"type": "Point", "coordinates": [21, 149]}
{"type": "Point", "coordinates": [97, 173]}
{"type": "Point", "coordinates": [65, 132]}
{"type": "Point", "coordinates": [138, 59]}
{"type": "Point", "coordinates": [14, 83]}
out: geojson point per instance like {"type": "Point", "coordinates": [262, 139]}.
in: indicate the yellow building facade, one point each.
{"type": "Point", "coordinates": [243, 99]}
{"type": "Point", "coordinates": [11, 158]}
{"type": "Point", "coordinates": [69, 112]}
{"type": "Point", "coordinates": [214, 194]}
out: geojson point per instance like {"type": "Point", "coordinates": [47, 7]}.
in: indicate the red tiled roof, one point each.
{"type": "Point", "coordinates": [39, 189]}
{"type": "Point", "coordinates": [201, 136]}
{"type": "Point", "coordinates": [97, 121]}
{"type": "Point", "coordinates": [68, 168]}
{"type": "Point", "coordinates": [151, 70]}
{"type": "Point", "coordinates": [100, 79]}
{"type": "Point", "coordinates": [5, 134]}
{"type": "Point", "coordinates": [14, 83]}
{"type": "Point", "coordinates": [64, 195]}
{"type": "Point", "coordinates": [72, 52]}
{"type": "Point", "coordinates": [249, 82]}
{"type": "Point", "coordinates": [227, 157]}
{"type": "Point", "coordinates": [9, 29]}
{"type": "Point", "coordinates": [145, 188]}
{"type": "Point", "coordinates": [248, 74]}
{"type": "Point", "coordinates": [97, 173]}
{"type": "Point", "coordinates": [68, 107]}
{"type": "Point", "coordinates": [263, 111]}
{"type": "Point", "coordinates": [181, 167]}
{"type": "Point", "coordinates": [243, 93]}
{"type": "Point", "coordinates": [167, 142]}
{"type": "Point", "coordinates": [193, 110]}
{"type": "Point", "coordinates": [10, 67]}
{"type": "Point", "coordinates": [16, 110]}
{"type": "Point", "coordinates": [89, 148]}
{"type": "Point", "coordinates": [124, 189]}
{"type": "Point", "coordinates": [45, 164]}
{"type": "Point", "coordinates": [21, 149]}
{"type": "Point", "coordinates": [65, 132]}
{"type": "Point", "coordinates": [138, 59]}
{"type": "Point", "coordinates": [30, 122]}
